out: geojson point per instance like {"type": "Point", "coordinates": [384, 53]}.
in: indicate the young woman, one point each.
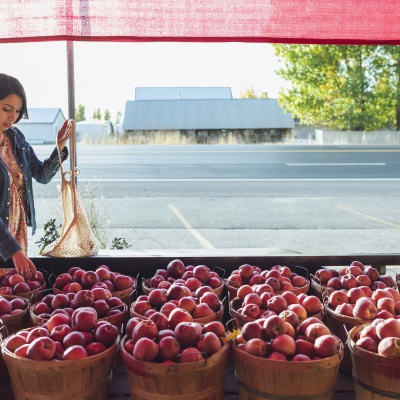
{"type": "Point", "coordinates": [18, 165]}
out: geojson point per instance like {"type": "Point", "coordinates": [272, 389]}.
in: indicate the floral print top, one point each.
{"type": "Point", "coordinates": [17, 222]}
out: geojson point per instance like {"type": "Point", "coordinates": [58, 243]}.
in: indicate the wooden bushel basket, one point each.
{"type": "Point", "coordinates": [3, 368]}
{"type": "Point", "coordinates": [376, 377]}
{"type": "Point", "coordinates": [84, 379]}
{"type": "Point", "coordinates": [338, 324]}
{"type": "Point", "coordinates": [15, 322]}
{"type": "Point", "coordinates": [260, 378]}
{"type": "Point", "coordinates": [199, 380]}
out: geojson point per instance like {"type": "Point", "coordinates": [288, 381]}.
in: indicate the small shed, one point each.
{"type": "Point", "coordinates": [42, 125]}
{"type": "Point", "coordinates": [94, 129]}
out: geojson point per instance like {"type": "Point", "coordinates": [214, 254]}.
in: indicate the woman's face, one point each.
{"type": "Point", "coordinates": [10, 108]}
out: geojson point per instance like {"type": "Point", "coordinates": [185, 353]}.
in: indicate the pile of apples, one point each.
{"type": "Point", "coordinates": [12, 283]}
{"type": "Point", "coordinates": [193, 277]}
{"type": "Point", "coordinates": [76, 279]}
{"type": "Point", "coordinates": [259, 301]}
{"type": "Point", "coordinates": [365, 304]}
{"type": "Point", "coordinates": [147, 340]}
{"type": "Point", "coordinates": [279, 278]}
{"type": "Point", "coordinates": [277, 339]}
{"type": "Point", "coordinates": [99, 299]}
{"type": "Point", "coordinates": [381, 337]}
{"type": "Point", "coordinates": [79, 337]}
{"type": "Point", "coordinates": [11, 307]}
{"type": "Point", "coordinates": [177, 304]}
{"type": "Point", "coordinates": [352, 276]}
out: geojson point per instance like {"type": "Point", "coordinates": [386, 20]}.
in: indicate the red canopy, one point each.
{"type": "Point", "coordinates": [282, 21]}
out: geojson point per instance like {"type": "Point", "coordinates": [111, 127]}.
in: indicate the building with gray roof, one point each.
{"type": "Point", "coordinates": [42, 125]}
{"type": "Point", "coordinates": [254, 120]}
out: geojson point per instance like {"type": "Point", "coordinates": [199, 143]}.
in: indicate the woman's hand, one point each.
{"type": "Point", "coordinates": [64, 133]}
{"type": "Point", "coordinates": [24, 265]}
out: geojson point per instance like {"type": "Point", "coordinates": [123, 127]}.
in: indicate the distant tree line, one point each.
{"type": "Point", "coordinates": [80, 114]}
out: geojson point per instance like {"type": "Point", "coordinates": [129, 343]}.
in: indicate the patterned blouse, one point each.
{"type": "Point", "coordinates": [17, 222]}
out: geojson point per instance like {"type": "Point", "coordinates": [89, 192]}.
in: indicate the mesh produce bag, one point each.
{"type": "Point", "coordinates": [76, 237]}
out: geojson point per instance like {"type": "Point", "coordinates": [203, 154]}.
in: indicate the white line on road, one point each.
{"type": "Point", "coordinates": [203, 241]}
{"type": "Point", "coordinates": [382, 221]}
{"type": "Point", "coordinates": [236, 180]}
{"type": "Point", "coordinates": [334, 164]}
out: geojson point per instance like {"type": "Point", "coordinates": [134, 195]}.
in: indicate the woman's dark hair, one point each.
{"type": "Point", "coordinates": [10, 85]}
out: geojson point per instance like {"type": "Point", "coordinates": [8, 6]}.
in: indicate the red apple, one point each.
{"type": "Point", "coordinates": [169, 348]}
{"type": "Point", "coordinates": [304, 347]}
{"type": "Point", "coordinates": [83, 298]}
{"type": "Point", "coordinates": [312, 304]}
{"type": "Point", "coordinates": [160, 319]}
{"type": "Point", "coordinates": [84, 319]}
{"type": "Point", "coordinates": [62, 280]}
{"type": "Point", "coordinates": [387, 328]}
{"type": "Point", "coordinates": [316, 330]}
{"type": "Point", "coordinates": [348, 281]}
{"type": "Point", "coordinates": [334, 283]}
{"type": "Point", "coordinates": [88, 279]}
{"type": "Point", "coordinates": [76, 352]}
{"type": "Point", "coordinates": [336, 298]}
{"type": "Point", "coordinates": [363, 280]}
{"type": "Point", "coordinates": [123, 282]}
{"type": "Point", "coordinates": [106, 334]}
{"type": "Point", "coordinates": [277, 304]}
{"type": "Point", "coordinates": [144, 328]}
{"type": "Point", "coordinates": [389, 347]}
{"type": "Point", "coordinates": [373, 273]}
{"type": "Point", "coordinates": [216, 327]}
{"type": "Point", "coordinates": [274, 326]}
{"type": "Point", "coordinates": [95, 348]}
{"type": "Point", "coordinates": [188, 333]}
{"type": "Point", "coordinates": [145, 349]}
{"type": "Point", "coordinates": [202, 310]}
{"type": "Point", "coordinates": [188, 304]}
{"type": "Point", "coordinates": [56, 320]}
{"type": "Point", "coordinates": [251, 330]}
{"type": "Point", "coordinates": [326, 345]}
{"type": "Point", "coordinates": [212, 300]}
{"type": "Point", "coordinates": [14, 342]}
{"type": "Point", "coordinates": [37, 333]}
{"type": "Point", "coordinates": [42, 349]}
{"type": "Point", "coordinates": [190, 354]}
{"type": "Point", "coordinates": [21, 287]}
{"type": "Point", "coordinates": [365, 309]}
{"type": "Point", "coordinates": [284, 344]}
{"type": "Point", "coordinates": [368, 343]}
{"type": "Point", "coordinates": [157, 297]}
{"type": "Point", "coordinates": [202, 273]}
{"type": "Point", "coordinates": [176, 268]}
{"type": "Point", "coordinates": [59, 332]}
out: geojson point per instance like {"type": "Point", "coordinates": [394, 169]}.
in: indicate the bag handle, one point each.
{"type": "Point", "coordinates": [74, 171]}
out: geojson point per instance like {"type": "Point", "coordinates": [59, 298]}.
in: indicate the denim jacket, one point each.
{"type": "Point", "coordinates": [31, 167]}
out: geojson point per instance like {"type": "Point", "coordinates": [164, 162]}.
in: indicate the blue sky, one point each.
{"type": "Point", "coordinates": [106, 74]}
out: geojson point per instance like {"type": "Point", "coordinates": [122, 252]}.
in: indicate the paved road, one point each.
{"type": "Point", "coordinates": [308, 199]}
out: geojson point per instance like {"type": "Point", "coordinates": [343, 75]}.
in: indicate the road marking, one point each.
{"type": "Point", "coordinates": [369, 217]}
{"type": "Point", "coordinates": [203, 241]}
{"type": "Point", "coordinates": [202, 151]}
{"type": "Point", "coordinates": [236, 180]}
{"type": "Point", "coordinates": [334, 164]}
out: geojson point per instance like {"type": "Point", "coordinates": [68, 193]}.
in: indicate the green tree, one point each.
{"type": "Point", "coordinates": [107, 115]}
{"type": "Point", "coordinates": [341, 87]}
{"type": "Point", "coordinates": [118, 117]}
{"type": "Point", "coordinates": [80, 113]}
{"type": "Point", "coordinates": [96, 114]}
{"type": "Point", "coordinates": [252, 93]}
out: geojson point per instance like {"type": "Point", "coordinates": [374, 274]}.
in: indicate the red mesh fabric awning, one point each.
{"type": "Point", "coordinates": [282, 21]}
